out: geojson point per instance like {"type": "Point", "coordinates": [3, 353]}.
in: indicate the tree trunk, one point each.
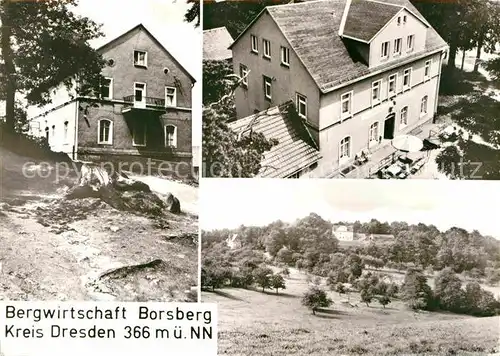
{"type": "Point", "coordinates": [314, 311]}
{"type": "Point", "coordinates": [383, 306]}
{"type": "Point", "coordinates": [480, 43]}
{"type": "Point", "coordinates": [9, 68]}
{"type": "Point", "coordinates": [463, 61]}
{"type": "Point", "coordinates": [262, 289]}
{"type": "Point", "coordinates": [453, 55]}
{"type": "Point", "coordinates": [367, 304]}
{"type": "Point", "coordinates": [276, 291]}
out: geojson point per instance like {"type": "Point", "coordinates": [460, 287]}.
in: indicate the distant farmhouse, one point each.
{"type": "Point", "coordinates": [343, 232]}
{"type": "Point", "coordinates": [233, 242]}
{"type": "Point", "coordinates": [357, 72]}
{"type": "Point", "coordinates": [143, 110]}
{"type": "Point", "coordinates": [346, 233]}
{"type": "Point", "coordinates": [216, 44]}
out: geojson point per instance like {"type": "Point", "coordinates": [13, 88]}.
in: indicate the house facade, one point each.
{"type": "Point", "coordinates": [359, 72]}
{"type": "Point", "coordinates": [143, 113]}
{"type": "Point", "coordinates": [343, 232]}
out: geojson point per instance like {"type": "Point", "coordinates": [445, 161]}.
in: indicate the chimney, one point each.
{"type": "Point", "coordinates": [344, 17]}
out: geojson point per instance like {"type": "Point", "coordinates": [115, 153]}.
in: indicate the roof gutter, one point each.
{"type": "Point", "coordinates": [385, 69]}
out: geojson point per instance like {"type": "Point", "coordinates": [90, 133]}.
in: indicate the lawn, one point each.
{"type": "Point", "coordinates": [255, 323]}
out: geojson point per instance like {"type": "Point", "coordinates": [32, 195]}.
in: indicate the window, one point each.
{"type": "Point", "coordinates": [376, 92]}
{"type": "Point", "coordinates": [244, 75]}
{"type": "Point", "coordinates": [407, 79]}
{"type": "Point", "coordinates": [427, 70]}
{"type": "Point", "coordinates": [285, 56]}
{"type": "Point", "coordinates": [104, 133]}
{"type": "Point", "coordinates": [410, 43]}
{"type": "Point", "coordinates": [267, 48]}
{"type": "Point", "coordinates": [397, 46]}
{"type": "Point", "coordinates": [399, 20]}
{"type": "Point", "coordinates": [373, 134]}
{"type": "Point", "coordinates": [47, 133]}
{"type": "Point", "coordinates": [385, 50]}
{"type": "Point", "coordinates": [170, 136]}
{"type": "Point", "coordinates": [301, 105]}
{"type": "Point", "coordinates": [267, 88]}
{"type": "Point", "coordinates": [107, 88]}
{"type": "Point", "coordinates": [140, 93]}
{"type": "Point", "coordinates": [170, 96]}
{"type": "Point", "coordinates": [255, 43]}
{"type": "Point", "coordinates": [139, 134]}
{"type": "Point", "coordinates": [140, 58]}
{"type": "Point", "coordinates": [53, 130]}
{"type": "Point", "coordinates": [391, 86]}
{"type": "Point", "coordinates": [346, 104]}
{"type": "Point", "coordinates": [423, 106]}
{"type": "Point", "coordinates": [403, 120]}
{"type": "Point", "coordinates": [404, 19]}
{"type": "Point", "coordinates": [65, 134]}
{"type": "Point", "coordinates": [345, 149]}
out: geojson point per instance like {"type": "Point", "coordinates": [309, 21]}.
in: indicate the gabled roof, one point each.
{"type": "Point", "coordinates": [216, 44]}
{"type": "Point", "coordinates": [326, 56]}
{"type": "Point", "coordinates": [366, 18]}
{"type": "Point", "coordinates": [295, 149]}
{"type": "Point", "coordinates": [140, 27]}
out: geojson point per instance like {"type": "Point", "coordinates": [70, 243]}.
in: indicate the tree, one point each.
{"type": "Point", "coordinates": [285, 272]}
{"type": "Point", "coordinates": [225, 153]}
{"type": "Point", "coordinates": [366, 296]}
{"type": "Point", "coordinates": [277, 282]}
{"type": "Point", "coordinates": [262, 277]}
{"type": "Point", "coordinates": [493, 67]}
{"type": "Point", "coordinates": [448, 291]}
{"type": "Point", "coordinates": [193, 13]}
{"type": "Point", "coordinates": [34, 32]}
{"type": "Point", "coordinates": [340, 288]}
{"type": "Point", "coordinates": [384, 300]}
{"type": "Point", "coordinates": [316, 298]}
{"type": "Point", "coordinates": [415, 291]}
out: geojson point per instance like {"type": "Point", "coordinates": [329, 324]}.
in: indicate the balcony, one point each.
{"type": "Point", "coordinates": [148, 104]}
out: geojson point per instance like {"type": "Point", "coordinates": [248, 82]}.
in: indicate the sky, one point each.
{"type": "Point", "coordinates": [165, 20]}
{"type": "Point", "coordinates": [467, 204]}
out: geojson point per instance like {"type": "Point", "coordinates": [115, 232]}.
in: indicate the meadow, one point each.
{"type": "Point", "coordinates": [257, 324]}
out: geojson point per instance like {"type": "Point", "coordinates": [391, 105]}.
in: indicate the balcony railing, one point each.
{"type": "Point", "coordinates": [154, 102]}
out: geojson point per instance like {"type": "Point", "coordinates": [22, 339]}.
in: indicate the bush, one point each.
{"type": "Point", "coordinates": [316, 298]}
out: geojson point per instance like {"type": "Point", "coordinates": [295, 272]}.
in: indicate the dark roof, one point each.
{"type": "Point", "coordinates": [216, 44]}
{"type": "Point", "coordinates": [366, 18]}
{"type": "Point", "coordinates": [140, 27]}
{"type": "Point", "coordinates": [294, 151]}
{"type": "Point", "coordinates": [320, 48]}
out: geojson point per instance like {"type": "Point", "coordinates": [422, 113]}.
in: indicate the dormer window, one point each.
{"type": "Point", "coordinates": [140, 58]}
{"type": "Point", "coordinates": [397, 46]}
{"type": "Point", "coordinates": [384, 53]}
{"type": "Point", "coordinates": [410, 43]}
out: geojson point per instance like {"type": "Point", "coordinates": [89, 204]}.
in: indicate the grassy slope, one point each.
{"type": "Point", "coordinates": [253, 323]}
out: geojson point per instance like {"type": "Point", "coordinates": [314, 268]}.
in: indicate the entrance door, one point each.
{"type": "Point", "coordinates": [140, 95]}
{"type": "Point", "coordinates": [389, 124]}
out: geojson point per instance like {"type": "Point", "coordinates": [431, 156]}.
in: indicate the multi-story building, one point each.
{"type": "Point", "coordinates": [358, 72]}
{"type": "Point", "coordinates": [343, 232]}
{"type": "Point", "coordinates": [143, 112]}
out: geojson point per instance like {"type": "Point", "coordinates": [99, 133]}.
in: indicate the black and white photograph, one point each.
{"type": "Point", "coordinates": [100, 108]}
{"type": "Point", "coordinates": [361, 89]}
{"type": "Point", "coordinates": [352, 267]}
